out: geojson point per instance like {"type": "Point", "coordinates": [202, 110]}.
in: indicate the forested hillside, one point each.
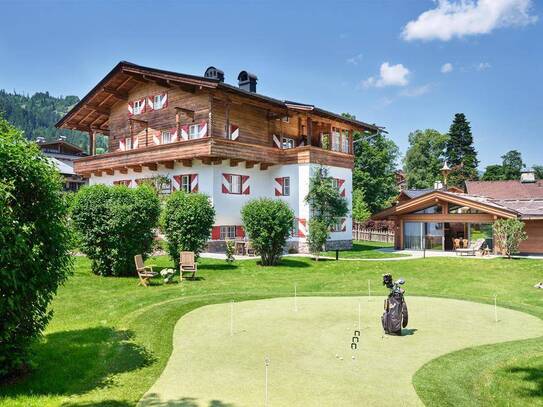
{"type": "Point", "coordinates": [36, 115]}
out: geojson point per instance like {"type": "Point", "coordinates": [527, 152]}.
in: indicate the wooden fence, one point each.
{"type": "Point", "coordinates": [373, 235]}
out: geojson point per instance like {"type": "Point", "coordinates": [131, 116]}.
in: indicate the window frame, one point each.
{"type": "Point", "coordinates": [231, 186]}
{"type": "Point", "coordinates": [162, 133]}
{"type": "Point", "coordinates": [285, 189]}
{"type": "Point", "coordinates": [161, 98]}
{"type": "Point", "coordinates": [336, 141]}
{"type": "Point", "coordinates": [224, 232]}
{"type": "Point", "coordinates": [191, 127]}
{"type": "Point", "coordinates": [128, 145]}
{"type": "Point", "coordinates": [139, 109]}
{"type": "Point", "coordinates": [288, 143]}
{"type": "Point", "coordinates": [185, 186]}
{"type": "Point", "coordinates": [345, 141]}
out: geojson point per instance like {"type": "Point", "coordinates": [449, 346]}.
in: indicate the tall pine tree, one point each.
{"type": "Point", "coordinates": [460, 153]}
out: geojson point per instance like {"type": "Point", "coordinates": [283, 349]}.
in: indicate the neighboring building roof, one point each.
{"type": "Point", "coordinates": [415, 193]}
{"type": "Point", "coordinates": [62, 167]}
{"type": "Point", "coordinates": [528, 208]}
{"type": "Point", "coordinates": [513, 189]}
{"type": "Point", "coordinates": [63, 145]}
{"type": "Point", "coordinates": [147, 72]}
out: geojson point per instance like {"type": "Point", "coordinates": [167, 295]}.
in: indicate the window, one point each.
{"type": "Point", "coordinates": [235, 184]}
{"type": "Point", "coordinates": [137, 107]}
{"type": "Point", "coordinates": [288, 143]}
{"type": "Point", "coordinates": [294, 230]}
{"type": "Point", "coordinates": [185, 183]}
{"type": "Point", "coordinates": [431, 210]}
{"type": "Point", "coordinates": [194, 131]}
{"type": "Point", "coordinates": [285, 119]}
{"type": "Point", "coordinates": [158, 101]}
{"type": "Point", "coordinates": [286, 186]}
{"type": "Point", "coordinates": [128, 143]}
{"type": "Point", "coordinates": [228, 232]}
{"type": "Point", "coordinates": [457, 209]}
{"type": "Point", "coordinates": [345, 141]}
{"type": "Point", "coordinates": [335, 140]}
{"type": "Point", "coordinates": [166, 137]}
{"type": "Point", "coordinates": [338, 225]}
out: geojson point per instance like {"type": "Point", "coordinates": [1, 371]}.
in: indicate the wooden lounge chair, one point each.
{"type": "Point", "coordinates": [472, 249]}
{"type": "Point", "coordinates": [456, 244]}
{"type": "Point", "coordinates": [145, 273]}
{"type": "Point", "coordinates": [187, 265]}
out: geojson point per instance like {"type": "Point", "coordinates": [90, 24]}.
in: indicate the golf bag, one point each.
{"type": "Point", "coordinates": [395, 316]}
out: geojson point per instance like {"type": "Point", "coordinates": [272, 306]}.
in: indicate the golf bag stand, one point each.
{"type": "Point", "coordinates": [395, 316]}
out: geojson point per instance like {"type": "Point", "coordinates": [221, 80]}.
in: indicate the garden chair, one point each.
{"type": "Point", "coordinates": [145, 273]}
{"type": "Point", "coordinates": [187, 265]}
{"type": "Point", "coordinates": [249, 249]}
{"type": "Point", "coordinates": [456, 244]}
{"type": "Point", "coordinates": [472, 249]}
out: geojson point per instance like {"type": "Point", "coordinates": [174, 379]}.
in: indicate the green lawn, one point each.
{"type": "Point", "coordinates": [365, 250]}
{"type": "Point", "coordinates": [109, 339]}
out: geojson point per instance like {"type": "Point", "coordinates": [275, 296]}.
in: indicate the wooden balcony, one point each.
{"type": "Point", "coordinates": [210, 150]}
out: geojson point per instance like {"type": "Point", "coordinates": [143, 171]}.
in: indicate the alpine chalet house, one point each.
{"type": "Point", "coordinates": [228, 142]}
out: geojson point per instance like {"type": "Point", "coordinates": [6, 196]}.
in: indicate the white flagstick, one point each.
{"type": "Point", "coordinates": [295, 299]}
{"type": "Point", "coordinates": [231, 317]}
{"type": "Point", "coordinates": [267, 363]}
{"type": "Point", "coordinates": [495, 308]}
{"type": "Point", "coordinates": [359, 326]}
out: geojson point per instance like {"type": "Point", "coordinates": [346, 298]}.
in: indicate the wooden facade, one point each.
{"type": "Point", "coordinates": [267, 131]}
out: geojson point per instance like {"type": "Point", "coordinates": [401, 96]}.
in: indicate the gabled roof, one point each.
{"type": "Point", "coordinates": [62, 167]}
{"type": "Point", "coordinates": [62, 143]}
{"type": "Point", "coordinates": [476, 202]}
{"type": "Point", "coordinates": [513, 189]}
{"type": "Point", "coordinates": [126, 75]}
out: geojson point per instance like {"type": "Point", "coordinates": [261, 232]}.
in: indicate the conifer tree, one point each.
{"type": "Point", "coordinates": [460, 152]}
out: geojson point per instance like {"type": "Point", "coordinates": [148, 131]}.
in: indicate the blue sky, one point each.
{"type": "Point", "coordinates": [384, 61]}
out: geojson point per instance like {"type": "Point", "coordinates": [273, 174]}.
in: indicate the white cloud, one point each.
{"type": "Point", "coordinates": [389, 75]}
{"type": "Point", "coordinates": [460, 18]}
{"type": "Point", "coordinates": [355, 60]}
{"type": "Point", "coordinates": [447, 68]}
{"type": "Point", "coordinates": [483, 66]}
{"type": "Point", "coordinates": [416, 91]}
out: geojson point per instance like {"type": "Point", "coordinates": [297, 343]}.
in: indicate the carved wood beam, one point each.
{"type": "Point", "coordinates": [151, 166]}
{"type": "Point", "coordinates": [250, 164]}
{"type": "Point", "coordinates": [168, 164]}
{"type": "Point", "coordinates": [234, 162]}
{"type": "Point", "coordinates": [123, 170]}
{"type": "Point", "coordinates": [116, 93]}
{"type": "Point", "coordinates": [97, 173]}
{"type": "Point", "coordinates": [265, 166]}
{"type": "Point", "coordinates": [135, 168]}
{"type": "Point", "coordinates": [99, 109]}
{"type": "Point", "coordinates": [185, 163]}
{"type": "Point", "coordinates": [160, 82]}
{"type": "Point", "coordinates": [206, 160]}
{"type": "Point", "coordinates": [216, 160]}
{"type": "Point", "coordinates": [109, 171]}
{"type": "Point", "coordinates": [136, 76]}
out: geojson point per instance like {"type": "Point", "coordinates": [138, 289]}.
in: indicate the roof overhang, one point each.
{"type": "Point", "coordinates": [442, 196]}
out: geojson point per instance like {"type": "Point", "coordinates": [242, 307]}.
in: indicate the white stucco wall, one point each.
{"type": "Point", "coordinates": [228, 206]}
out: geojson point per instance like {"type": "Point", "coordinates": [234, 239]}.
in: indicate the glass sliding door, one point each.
{"type": "Point", "coordinates": [412, 235]}
{"type": "Point", "coordinates": [433, 235]}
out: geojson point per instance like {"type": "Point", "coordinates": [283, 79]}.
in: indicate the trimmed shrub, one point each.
{"type": "Point", "coordinates": [35, 246]}
{"type": "Point", "coordinates": [509, 233]}
{"type": "Point", "coordinates": [113, 224]}
{"type": "Point", "coordinates": [268, 223]}
{"type": "Point", "coordinates": [317, 236]}
{"type": "Point", "coordinates": [187, 221]}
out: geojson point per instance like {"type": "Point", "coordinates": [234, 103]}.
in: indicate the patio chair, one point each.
{"type": "Point", "coordinates": [187, 265]}
{"type": "Point", "coordinates": [472, 249]}
{"type": "Point", "coordinates": [249, 249]}
{"type": "Point", "coordinates": [456, 244]}
{"type": "Point", "coordinates": [145, 273]}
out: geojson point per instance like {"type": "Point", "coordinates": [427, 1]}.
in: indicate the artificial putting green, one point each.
{"type": "Point", "coordinates": [311, 360]}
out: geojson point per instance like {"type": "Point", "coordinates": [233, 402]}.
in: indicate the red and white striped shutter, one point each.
{"type": "Point", "coordinates": [240, 232]}
{"type": "Point", "coordinates": [226, 182]}
{"type": "Point", "coordinates": [245, 187]}
{"type": "Point", "coordinates": [156, 137]}
{"type": "Point", "coordinates": [164, 100]}
{"type": "Point", "coordinates": [143, 105]}
{"type": "Point", "coordinates": [215, 233]}
{"type": "Point", "coordinates": [302, 227]}
{"type": "Point", "coordinates": [234, 131]}
{"type": "Point", "coordinates": [122, 145]}
{"type": "Point", "coordinates": [150, 104]}
{"type": "Point", "coordinates": [193, 182]}
{"type": "Point", "coordinates": [135, 141]}
{"type": "Point", "coordinates": [276, 141]}
{"type": "Point", "coordinates": [203, 129]}
{"type": "Point", "coordinates": [185, 132]}
{"type": "Point", "coordinates": [341, 186]}
{"type": "Point", "coordinates": [173, 132]}
{"type": "Point", "coordinates": [176, 182]}
{"type": "Point", "coordinates": [130, 109]}
{"type": "Point", "coordinates": [278, 186]}
{"type": "Point", "coordinates": [344, 225]}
